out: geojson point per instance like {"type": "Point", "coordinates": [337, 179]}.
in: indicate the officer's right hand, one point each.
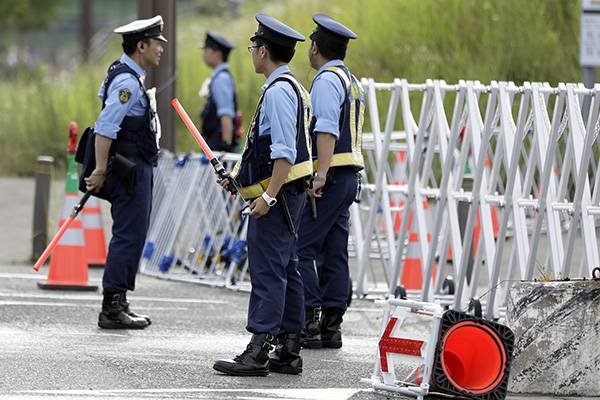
{"type": "Point", "coordinates": [223, 181]}
{"type": "Point", "coordinates": [317, 189]}
{"type": "Point", "coordinates": [95, 181]}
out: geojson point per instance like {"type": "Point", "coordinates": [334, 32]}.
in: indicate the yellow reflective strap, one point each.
{"type": "Point", "coordinates": [338, 71]}
{"type": "Point", "coordinates": [298, 171]}
{"type": "Point", "coordinates": [344, 160]}
{"type": "Point", "coordinates": [356, 123]}
{"type": "Point", "coordinates": [236, 168]}
{"type": "Point", "coordinates": [307, 111]}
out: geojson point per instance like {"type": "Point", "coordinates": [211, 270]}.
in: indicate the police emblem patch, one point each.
{"type": "Point", "coordinates": [124, 95]}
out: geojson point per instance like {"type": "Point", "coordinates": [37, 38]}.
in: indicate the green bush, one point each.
{"type": "Point", "coordinates": [517, 40]}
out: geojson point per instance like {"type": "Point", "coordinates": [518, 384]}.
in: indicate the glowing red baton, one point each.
{"type": "Point", "coordinates": [219, 169]}
{"type": "Point", "coordinates": [61, 231]}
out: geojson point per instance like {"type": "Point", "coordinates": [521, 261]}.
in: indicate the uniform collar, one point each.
{"type": "Point", "coordinates": [125, 59]}
{"type": "Point", "coordinates": [276, 74]}
{"type": "Point", "coordinates": [332, 63]}
{"type": "Point", "coordinates": [219, 68]}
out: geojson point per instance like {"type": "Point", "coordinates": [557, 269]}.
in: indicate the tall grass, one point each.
{"type": "Point", "coordinates": [534, 40]}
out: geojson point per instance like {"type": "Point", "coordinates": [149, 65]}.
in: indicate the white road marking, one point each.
{"type": "Point", "coordinates": [373, 310]}
{"type": "Point", "coordinates": [38, 277]}
{"type": "Point", "coordinates": [283, 394]}
{"type": "Point", "coordinates": [99, 297]}
{"type": "Point", "coordinates": [93, 305]}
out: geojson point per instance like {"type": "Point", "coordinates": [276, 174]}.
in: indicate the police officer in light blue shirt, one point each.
{"type": "Point", "coordinates": [278, 116]}
{"type": "Point", "coordinates": [338, 104]}
{"type": "Point", "coordinates": [271, 174]}
{"type": "Point", "coordinates": [219, 122]}
{"type": "Point", "coordinates": [122, 86]}
{"type": "Point", "coordinates": [122, 150]}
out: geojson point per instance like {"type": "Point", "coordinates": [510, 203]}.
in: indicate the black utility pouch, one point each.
{"type": "Point", "coordinates": [124, 169]}
{"type": "Point", "coordinates": [80, 153]}
{"type": "Point", "coordinates": [86, 156]}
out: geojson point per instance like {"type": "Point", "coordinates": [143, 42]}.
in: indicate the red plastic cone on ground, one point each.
{"type": "Point", "coordinates": [412, 271]}
{"type": "Point", "coordinates": [399, 177]}
{"type": "Point", "coordinates": [68, 264]}
{"type": "Point", "coordinates": [95, 242]}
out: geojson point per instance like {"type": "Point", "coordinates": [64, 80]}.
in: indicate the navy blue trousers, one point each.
{"type": "Point", "coordinates": [323, 244]}
{"type": "Point", "coordinates": [131, 217]}
{"type": "Point", "coordinates": [277, 297]}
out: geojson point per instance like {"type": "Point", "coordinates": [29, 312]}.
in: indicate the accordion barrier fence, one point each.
{"type": "Point", "coordinates": [518, 162]}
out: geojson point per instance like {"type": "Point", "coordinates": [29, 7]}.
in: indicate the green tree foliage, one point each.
{"type": "Point", "coordinates": [518, 40]}
{"type": "Point", "coordinates": [25, 15]}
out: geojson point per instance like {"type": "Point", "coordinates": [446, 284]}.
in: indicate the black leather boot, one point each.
{"type": "Point", "coordinates": [331, 331]}
{"type": "Point", "coordinates": [254, 361]}
{"type": "Point", "coordinates": [286, 357]}
{"type": "Point", "coordinates": [132, 314]}
{"type": "Point", "coordinates": [310, 336]}
{"type": "Point", "coordinates": [113, 315]}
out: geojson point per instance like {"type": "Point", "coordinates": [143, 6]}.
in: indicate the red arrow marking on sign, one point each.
{"type": "Point", "coordinates": [388, 344]}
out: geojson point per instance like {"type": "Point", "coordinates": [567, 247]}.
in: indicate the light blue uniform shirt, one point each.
{"type": "Point", "coordinates": [278, 116]}
{"type": "Point", "coordinates": [111, 116]}
{"type": "Point", "coordinates": [222, 89]}
{"type": "Point", "coordinates": [327, 96]}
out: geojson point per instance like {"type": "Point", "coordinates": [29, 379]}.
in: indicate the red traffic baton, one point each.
{"type": "Point", "coordinates": [219, 169]}
{"type": "Point", "coordinates": [61, 231]}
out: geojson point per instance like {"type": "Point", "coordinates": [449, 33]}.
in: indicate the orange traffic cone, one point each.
{"type": "Point", "coordinates": [412, 272]}
{"type": "Point", "coordinates": [399, 177]}
{"type": "Point", "coordinates": [477, 229]}
{"type": "Point", "coordinates": [398, 216]}
{"type": "Point", "coordinates": [95, 243]}
{"type": "Point", "coordinates": [68, 265]}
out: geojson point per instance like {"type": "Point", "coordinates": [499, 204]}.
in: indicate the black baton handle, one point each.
{"type": "Point", "coordinates": [220, 170]}
{"type": "Point", "coordinates": [286, 213]}
{"type": "Point", "coordinates": [313, 206]}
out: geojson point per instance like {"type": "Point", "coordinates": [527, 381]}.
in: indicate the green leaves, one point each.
{"type": "Point", "coordinates": [25, 15]}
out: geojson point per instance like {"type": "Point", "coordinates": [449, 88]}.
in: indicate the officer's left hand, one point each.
{"type": "Point", "coordinates": [259, 208]}
{"type": "Point", "coordinates": [317, 189]}
{"type": "Point", "coordinates": [95, 181]}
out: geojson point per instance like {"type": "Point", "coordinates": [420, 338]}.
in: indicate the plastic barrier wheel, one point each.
{"type": "Point", "coordinates": [400, 292]}
{"type": "Point", "coordinates": [448, 286]}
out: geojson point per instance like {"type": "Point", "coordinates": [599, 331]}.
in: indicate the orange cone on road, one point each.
{"type": "Point", "coordinates": [68, 264]}
{"type": "Point", "coordinates": [412, 271]}
{"type": "Point", "coordinates": [399, 177]}
{"type": "Point", "coordinates": [95, 242]}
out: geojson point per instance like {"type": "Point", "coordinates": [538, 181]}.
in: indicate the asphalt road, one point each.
{"type": "Point", "coordinates": [51, 347]}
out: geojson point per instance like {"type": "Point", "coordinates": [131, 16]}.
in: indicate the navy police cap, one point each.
{"type": "Point", "coordinates": [331, 26]}
{"type": "Point", "coordinates": [214, 40]}
{"type": "Point", "coordinates": [276, 32]}
{"type": "Point", "coordinates": [142, 29]}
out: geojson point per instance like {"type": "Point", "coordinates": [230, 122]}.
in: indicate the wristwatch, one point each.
{"type": "Point", "coordinates": [318, 178]}
{"type": "Point", "coordinates": [271, 201]}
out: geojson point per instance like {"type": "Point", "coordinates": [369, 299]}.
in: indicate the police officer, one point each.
{"type": "Point", "coordinates": [126, 149]}
{"type": "Point", "coordinates": [218, 116]}
{"type": "Point", "coordinates": [338, 104]}
{"type": "Point", "coordinates": [272, 171]}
